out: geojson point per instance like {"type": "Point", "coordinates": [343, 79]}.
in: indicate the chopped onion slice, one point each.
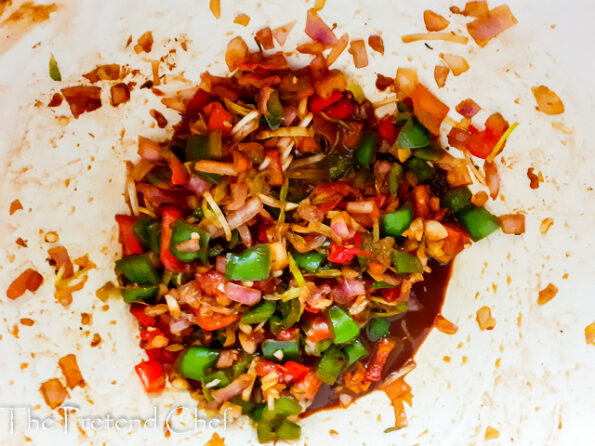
{"type": "Point", "coordinates": [446, 37]}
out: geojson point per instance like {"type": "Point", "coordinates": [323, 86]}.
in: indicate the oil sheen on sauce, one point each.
{"type": "Point", "coordinates": [408, 330]}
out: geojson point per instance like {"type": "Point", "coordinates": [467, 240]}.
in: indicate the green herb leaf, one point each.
{"type": "Point", "coordinates": [54, 70]}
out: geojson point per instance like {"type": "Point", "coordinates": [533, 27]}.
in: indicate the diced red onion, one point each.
{"type": "Point", "coordinates": [236, 387]}
{"type": "Point", "coordinates": [340, 227]}
{"type": "Point", "coordinates": [221, 264]}
{"type": "Point", "coordinates": [318, 30]}
{"type": "Point", "coordinates": [245, 235]}
{"type": "Point", "coordinates": [242, 294]}
{"type": "Point", "coordinates": [197, 185]}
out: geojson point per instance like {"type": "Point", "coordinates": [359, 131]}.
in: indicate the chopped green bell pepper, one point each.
{"type": "Point", "coordinates": [354, 351]}
{"type": "Point", "coordinates": [343, 326]}
{"type": "Point", "coordinates": [140, 229]}
{"type": "Point", "coordinates": [420, 168]}
{"type": "Point", "coordinates": [213, 178]}
{"type": "Point", "coordinates": [397, 222]}
{"type": "Point", "coordinates": [406, 263]}
{"type": "Point", "coordinates": [336, 166]}
{"type": "Point", "coordinates": [198, 213]}
{"type": "Point", "coordinates": [290, 311]}
{"type": "Point", "coordinates": [366, 148]}
{"type": "Point", "coordinates": [456, 199]}
{"type": "Point", "coordinates": [394, 178]}
{"type": "Point", "coordinates": [252, 264]}
{"type": "Point", "coordinates": [139, 293]}
{"type": "Point", "coordinates": [200, 147]}
{"type": "Point", "coordinates": [286, 406]}
{"type": "Point", "coordinates": [309, 261]}
{"type": "Point", "coordinates": [428, 153]}
{"type": "Point", "coordinates": [183, 231]}
{"type": "Point", "coordinates": [382, 285]}
{"type": "Point", "coordinates": [241, 365]}
{"type": "Point", "coordinates": [478, 222]}
{"type": "Point", "coordinates": [274, 116]}
{"type": "Point", "coordinates": [218, 375]}
{"type": "Point", "coordinates": [288, 431]}
{"type": "Point", "coordinates": [197, 361]}
{"type": "Point", "coordinates": [331, 365]}
{"type": "Point", "coordinates": [290, 350]}
{"type": "Point", "coordinates": [138, 269]}
{"type": "Point", "coordinates": [378, 328]}
{"type": "Point", "coordinates": [160, 176]}
{"type": "Point", "coordinates": [261, 312]}
{"type": "Point", "coordinates": [413, 135]}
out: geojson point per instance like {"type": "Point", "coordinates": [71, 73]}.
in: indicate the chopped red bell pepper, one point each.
{"type": "Point", "coordinates": [340, 110]}
{"type": "Point", "coordinates": [387, 130]}
{"type": "Point", "coordinates": [216, 320]}
{"type": "Point", "coordinates": [294, 371]}
{"type": "Point", "coordinates": [479, 143]}
{"type": "Point", "coordinates": [318, 104]}
{"type": "Point", "coordinates": [148, 335]}
{"type": "Point", "coordinates": [130, 244]}
{"type": "Point", "coordinates": [346, 252]}
{"type": "Point", "coordinates": [151, 375]}
{"type": "Point", "coordinates": [318, 328]}
{"type": "Point", "coordinates": [218, 118]}
{"type": "Point", "coordinates": [179, 174]}
{"type": "Point", "coordinates": [138, 311]}
{"type": "Point", "coordinates": [170, 262]}
{"type": "Point", "coordinates": [289, 372]}
{"type": "Point", "coordinates": [162, 355]}
{"type": "Point", "coordinates": [376, 364]}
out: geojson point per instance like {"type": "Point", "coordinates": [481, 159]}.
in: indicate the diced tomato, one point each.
{"type": "Point", "coordinates": [130, 245]}
{"type": "Point", "coordinates": [195, 105]}
{"type": "Point", "coordinates": [307, 387]}
{"type": "Point", "coordinates": [346, 253]}
{"type": "Point", "coordinates": [318, 104]}
{"type": "Point", "coordinates": [376, 364]}
{"type": "Point", "coordinates": [275, 169]}
{"type": "Point", "coordinates": [138, 311]}
{"type": "Point", "coordinates": [216, 321]}
{"type": "Point", "coordinates": [289, 334]}
{"type": "Point", "coordinates": [328, 196]}
{"type": "Point", "coordinates": [456, 240]}
{"type": "Point", "coordinates": [219, 118]}
{"type": "Point", "coordinates": [351, 136]}
{"type": "Point", "coordinates": [151, 375]}
{"type": "Point", "coordinates": [262, 233]}
{"type": "Point", "coordinates": [387, 130]}
{"type": "Point", "coordinates": [170, 262]}
{"type": "Point", "coordinates": [307, 145]}
{"type": "Point", "coordinates": [421, 201]}
{"type": "Point", "coordinates": [341, 109]}
{"type": "Point", "coordinates": [266, 286]}
{"type": "Point", "coordinates": [317, 328]}
{"type": "Point", "coordinates": [404, 190]}
{"type": "Point", "coordinates": [210, 282]}
{"type": "Point", "coordinates": [390, 294]}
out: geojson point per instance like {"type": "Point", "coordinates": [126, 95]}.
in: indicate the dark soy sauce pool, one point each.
{"type": "Point", "coordinates": [409, 331]}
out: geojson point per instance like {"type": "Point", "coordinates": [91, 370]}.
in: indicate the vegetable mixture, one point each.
{"type": "Point", "coordinates": [276, 238]}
